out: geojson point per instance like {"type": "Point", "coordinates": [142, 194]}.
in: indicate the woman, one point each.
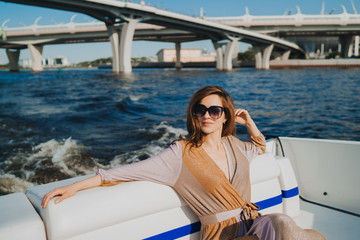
{"type": "Point", "coordinates": [210, 170]}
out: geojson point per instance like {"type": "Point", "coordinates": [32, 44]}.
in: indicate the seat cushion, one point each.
{"type": "Point", "coordinates": [18, 218]}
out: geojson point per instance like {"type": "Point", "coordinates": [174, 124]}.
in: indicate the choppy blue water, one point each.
{"type": "Point", "coordinates": [55, 125]}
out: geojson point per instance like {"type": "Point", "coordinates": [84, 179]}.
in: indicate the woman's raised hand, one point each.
{"type": "Point", "coordinates": [63, 192]}
{"type": "Point", "coordinates": [242, 116]}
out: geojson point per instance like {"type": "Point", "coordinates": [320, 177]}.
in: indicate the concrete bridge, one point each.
{"type": "Point", "coordinates": [121, 19]}
{"type": "Point", "coordinates": [343, 28]}
{"type": "Point", "coordinates": [34, 37]}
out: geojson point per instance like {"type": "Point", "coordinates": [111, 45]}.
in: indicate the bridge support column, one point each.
{"type": "Point", "coordinates": [219, 56]}
{"type": "Point", "coordinates": [114, 37]}
{"type": "Point", "coordinates": [226, 62]}
{"type": "Point", "coordinates": [178, 65]}
{"type": "Point", "coordinates": [356, 45]}
{"type": "Point", "coordinates": [231, 50]}
{"type": "Point", "coordinates": [13, 56]}
{"type": "Point", "coordinates": [121, 45]}
{"type": "Point", "coordinates": [36, 57]}
{"type": "Point", "coordinates": [285, 55]}
{"type": "Point", "coordinates": [262, 56]}
{"type": "Point", "coordinates": [346, 46]}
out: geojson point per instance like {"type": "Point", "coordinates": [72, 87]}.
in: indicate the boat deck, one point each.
{"type": "Point", "coordinates": [333, 224]}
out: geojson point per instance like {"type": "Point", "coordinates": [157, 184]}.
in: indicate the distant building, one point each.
{"type": "Point", "coordinates": [186, 55]}
{"type": "Point", "coordinates": [55, 62]}
{"type": "Point", "coordinates": [46, 62]}
{"type": "Point", "coordinates": [25, 63]}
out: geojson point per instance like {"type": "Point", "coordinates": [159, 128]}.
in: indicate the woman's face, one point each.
{"type": "Point", "coordinates": [208, 124]}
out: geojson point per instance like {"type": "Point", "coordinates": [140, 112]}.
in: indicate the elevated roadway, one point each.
{"type": "Point", "coordinates": [122, 17]}
{"type": "Point", "coordinates": [299, 27]}
{"type": "Point", "coordinates": [20, 37]}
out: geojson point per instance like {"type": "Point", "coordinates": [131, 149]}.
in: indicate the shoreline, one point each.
{"type": "Point", "coordinates": [305, 63]}
{"type": "Point", "coordinates": [274, 64]}
{"type": "Point", "coordinates": [291, 63]}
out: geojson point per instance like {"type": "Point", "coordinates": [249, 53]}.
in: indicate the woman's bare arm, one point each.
{"type": "Point", "coordinates": [164, 168]}
{"type": "Point", "coordinates": [243, 117]}
{"type": "Point", "coordinates": [70, 190]}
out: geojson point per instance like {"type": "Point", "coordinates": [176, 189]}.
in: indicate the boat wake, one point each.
{"type": "Point", "coordinates": [46, 162]}
{"type": "Point", "coordinates": [163, 134]}
{"type": "Point", "coordinates": [57, 160]}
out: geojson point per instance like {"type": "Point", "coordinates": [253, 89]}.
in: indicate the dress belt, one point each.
{"type": "Point", "coordinates": [221, 216]}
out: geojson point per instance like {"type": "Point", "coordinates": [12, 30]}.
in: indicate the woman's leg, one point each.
{"type": "Point", "coordinates": [286, 228]}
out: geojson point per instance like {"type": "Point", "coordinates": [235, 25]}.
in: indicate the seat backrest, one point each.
{"type": "Point", "coordinates": [143, 210]}
{"type": "Point", "coordinates": [265, 186]}
{"type": "Point", "coordinates": [133, 210]}
{"type": "Point", "coordinates": [273, 185]}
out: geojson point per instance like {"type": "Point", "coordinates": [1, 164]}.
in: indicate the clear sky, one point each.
{"type": "Point", "coordinates": [20, 15]}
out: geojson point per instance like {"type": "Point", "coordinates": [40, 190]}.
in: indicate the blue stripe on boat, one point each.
{"type": "Point", "coordinates": [195, 227]}
{"type": "Point", "coordinates": [269, 202]}
{"type": "Point", "coordinates": [290, 193]}
{"type": "Point", "coordinates": [177, 232]}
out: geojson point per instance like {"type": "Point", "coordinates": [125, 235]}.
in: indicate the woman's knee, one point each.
{"type": "Point", "coordinates": [279, 219]}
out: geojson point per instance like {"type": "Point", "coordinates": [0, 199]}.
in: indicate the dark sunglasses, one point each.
{"type": "Point", "coordinates": [214, 111]}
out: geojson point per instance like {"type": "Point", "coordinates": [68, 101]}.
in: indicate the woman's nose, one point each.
{"type": "Point", "coordinates": [207, 115]}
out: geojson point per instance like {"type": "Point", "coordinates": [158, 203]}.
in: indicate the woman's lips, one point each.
{"type": "Point", "coordinates": [206, 123]}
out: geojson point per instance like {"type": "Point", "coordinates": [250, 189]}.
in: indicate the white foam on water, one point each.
{"type": "Point", "coordinates": [49, 161]}
{"type": "Point", "coordinates": [135, 98]}
{"type": "Point", "coordinates": [45, 149]}
{"type": "Point", "coordinates": [54, 159]}
{"type": "Point", "coordinates": [67, 156]}
{"type": "Point", "coordinates": [171, 133]}
{"type": "Point", "coordinates": [168, 135]}
{"type": "Point", "coordinates": [9, 184]}
{"type": "Point", "coordinates": [57, 151]}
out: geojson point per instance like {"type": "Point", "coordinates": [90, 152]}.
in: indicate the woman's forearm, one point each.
{"type": "Point", "coordinates": [252, 128]}
{"type": "Point", "coordinates": [243, 117]}
{"type": "Point", "coordinates": [91, 182]}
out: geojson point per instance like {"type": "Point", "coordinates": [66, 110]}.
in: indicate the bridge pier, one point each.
{"type": "Point", "coordinates": [178, 64]}
{"type": "Point", "coordinates": [285, 55]}
{"type": "Point", "coordinates": [262, 56]}
{"type": "Point", "coordinates": [282, 56]}
{"type": "Point", "coordinates": [121, 42]}
{"type": "Point", "coordinates": [13, 57]}
{"type": "Point", "coordinates": [356, 45]}
{"type": "Point", "coordinates": [346, 46]}
{"type": "Point", "coordinates": [219, 56]}
{"type": "Point", "coordinates": [115, 43]}
{"type": "Point", "coordinates": [231, 50]}
{"type": "Point", "coordinates": [226, 62]}
{"type": "Point", "coordinates": [36, 57]}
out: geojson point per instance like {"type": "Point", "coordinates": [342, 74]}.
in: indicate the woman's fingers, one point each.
{"type": "Point", "coordinates": [47, 197]}
{"type": "Point", "coordinates": [238, 118]}
{"type": "Point", "coordinates": [63, 192]}
{"type": "Point", "coordinates": [242, 116]}
{"type": "Point", "coordinates": [59, 199]}
{"type": "Point", "coordinates": [238, 111]}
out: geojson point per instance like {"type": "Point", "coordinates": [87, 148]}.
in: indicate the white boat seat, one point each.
{"type": "Point", "coordinates": [18, 219]}
{"type": "Point", "coordinates": [145, 210]}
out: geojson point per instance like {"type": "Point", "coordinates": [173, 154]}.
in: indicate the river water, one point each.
{"type": "Point", "coordinates": [55, 125]}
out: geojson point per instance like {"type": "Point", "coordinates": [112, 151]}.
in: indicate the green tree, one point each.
{"type": "Point", "coordinates": [247, 56]}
